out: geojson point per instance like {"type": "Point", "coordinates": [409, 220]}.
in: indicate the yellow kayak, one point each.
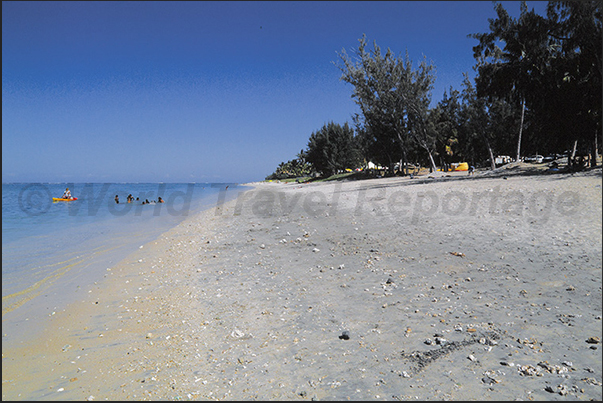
{"type": "Point", "coordinates": [56, 199]}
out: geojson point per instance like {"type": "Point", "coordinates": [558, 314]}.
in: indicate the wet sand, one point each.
{"type": "Point", "coordinates": [446, 288]}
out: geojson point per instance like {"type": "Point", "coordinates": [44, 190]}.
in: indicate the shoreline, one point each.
{"type": "Point", "coordinates": [249, 300]}
{"type": "Point", "coordinates": [67, 267]}
{"type": "Point", "coordinates": [72, 333]}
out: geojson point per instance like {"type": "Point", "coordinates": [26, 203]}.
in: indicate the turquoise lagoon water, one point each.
{"type": "Point", "coordinates": [52, 250]}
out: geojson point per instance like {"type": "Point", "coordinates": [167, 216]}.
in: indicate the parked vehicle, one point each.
{"type": "Point", "coordinates": [502, 159]}
{"type": "Point", "coordinates": [534, 158]}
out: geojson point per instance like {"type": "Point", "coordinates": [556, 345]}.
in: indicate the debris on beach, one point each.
{"type": "Point", "coordinates": [491, 377]}
{"type": "Point", "coordinates": [440, 340]}
{"type": "Point", "coordinates": [561, 389]}
{"type": "Point", "coordinates": [457, 254]}
{"type": "Point", "coordinates": [237, 334]}
{"type": "Point", "coordinates": [592, 381]}
{"type": "Point", "coordinates": [553, 369]}
{"type": "Point", "coordinates": [528, 370]}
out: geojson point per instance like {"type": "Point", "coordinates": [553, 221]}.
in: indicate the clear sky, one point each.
{"type": "Point", "coordinates": [200, 91]}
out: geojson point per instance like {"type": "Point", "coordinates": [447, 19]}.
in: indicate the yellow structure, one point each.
{"type": "Point", "coordinates": [458, 166]}
{"type": "Point", "coordinates": [461, 166]}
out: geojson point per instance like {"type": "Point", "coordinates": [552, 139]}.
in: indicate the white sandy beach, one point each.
{"type": "Point", "coordinates": [452, 288]}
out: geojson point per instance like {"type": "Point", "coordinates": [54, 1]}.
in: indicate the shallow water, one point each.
{"type": "Point", "coordinates": [52, 250]}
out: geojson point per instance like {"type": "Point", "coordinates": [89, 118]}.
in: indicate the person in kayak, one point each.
{"type": "Point", "coordinates": [67, 194]}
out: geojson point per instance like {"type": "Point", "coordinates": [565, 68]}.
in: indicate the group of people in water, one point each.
{"type": "Point", "coordinates": [130, 199]}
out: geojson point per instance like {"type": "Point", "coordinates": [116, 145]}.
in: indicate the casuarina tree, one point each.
{"type": "Point", "coordinates": [393, 100]}
{"type": "Point", "coordinates": [551, 66]}
{"type": "Point", "coordinates": [333, 148]}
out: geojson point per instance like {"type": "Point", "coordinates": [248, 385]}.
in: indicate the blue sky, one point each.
{"type": "Point", "coordinates": [200, 91]}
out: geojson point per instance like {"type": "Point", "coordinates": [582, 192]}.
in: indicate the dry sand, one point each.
{"type": "Point", "coordinates": [447, 288]}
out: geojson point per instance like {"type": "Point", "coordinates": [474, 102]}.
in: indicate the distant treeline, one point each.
{"type": "Point", "coordinates": [539, 93]}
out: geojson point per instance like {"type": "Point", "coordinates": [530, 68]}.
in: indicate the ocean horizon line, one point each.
{"type": "Point", "coordinates": [138, 183]}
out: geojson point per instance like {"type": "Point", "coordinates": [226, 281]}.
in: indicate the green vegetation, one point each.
{"type": "Point", "coordinates": [394, 102]}
{"type": "Point", "coordinates": [333, 149]}
{"type": "Point", "coordinates": [538, 90]}
{"type": "Point", "coordinates": [551, 66]}
{"type": "Point", "coordinates": [292, 169]}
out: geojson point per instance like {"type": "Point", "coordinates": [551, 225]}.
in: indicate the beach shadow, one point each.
{"type": "Point", "coordinates": [505, 172]}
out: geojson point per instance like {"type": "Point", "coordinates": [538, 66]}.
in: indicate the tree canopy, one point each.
{"type": "Point", "coordinates": [333, 148]}
{"type": "Point", "coordinates": [393, 99]}
{"type": "Point", "coordinates": [538, 89]}
{"type": "Point", "coordinates": [294, 168]}
{"type": "Point", "coordinates": [552, 62]}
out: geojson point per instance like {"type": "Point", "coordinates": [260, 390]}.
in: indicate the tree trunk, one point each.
{"type": "Point", "coordinates": [431, 161]}
{"type": "Point", "coordinates": [523, 108]}
{"type": "Point", "coordinates": [492, 162]}
{"type": "Point", "coordinates": [570, 159]}
{"type": "Point", "coordinates": [403, 151]}
{"type": "Point", "coordinates": [574, 149]}
{"type": "Point", "coordinates": [594, 151]}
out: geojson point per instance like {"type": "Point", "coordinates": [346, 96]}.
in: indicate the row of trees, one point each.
{"type": "Point", "coordinates": [551, 67]}
{"type": "Point", "coordinates": [540, 92]}
{"type": "Point", "coordinates": [295, 168]}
